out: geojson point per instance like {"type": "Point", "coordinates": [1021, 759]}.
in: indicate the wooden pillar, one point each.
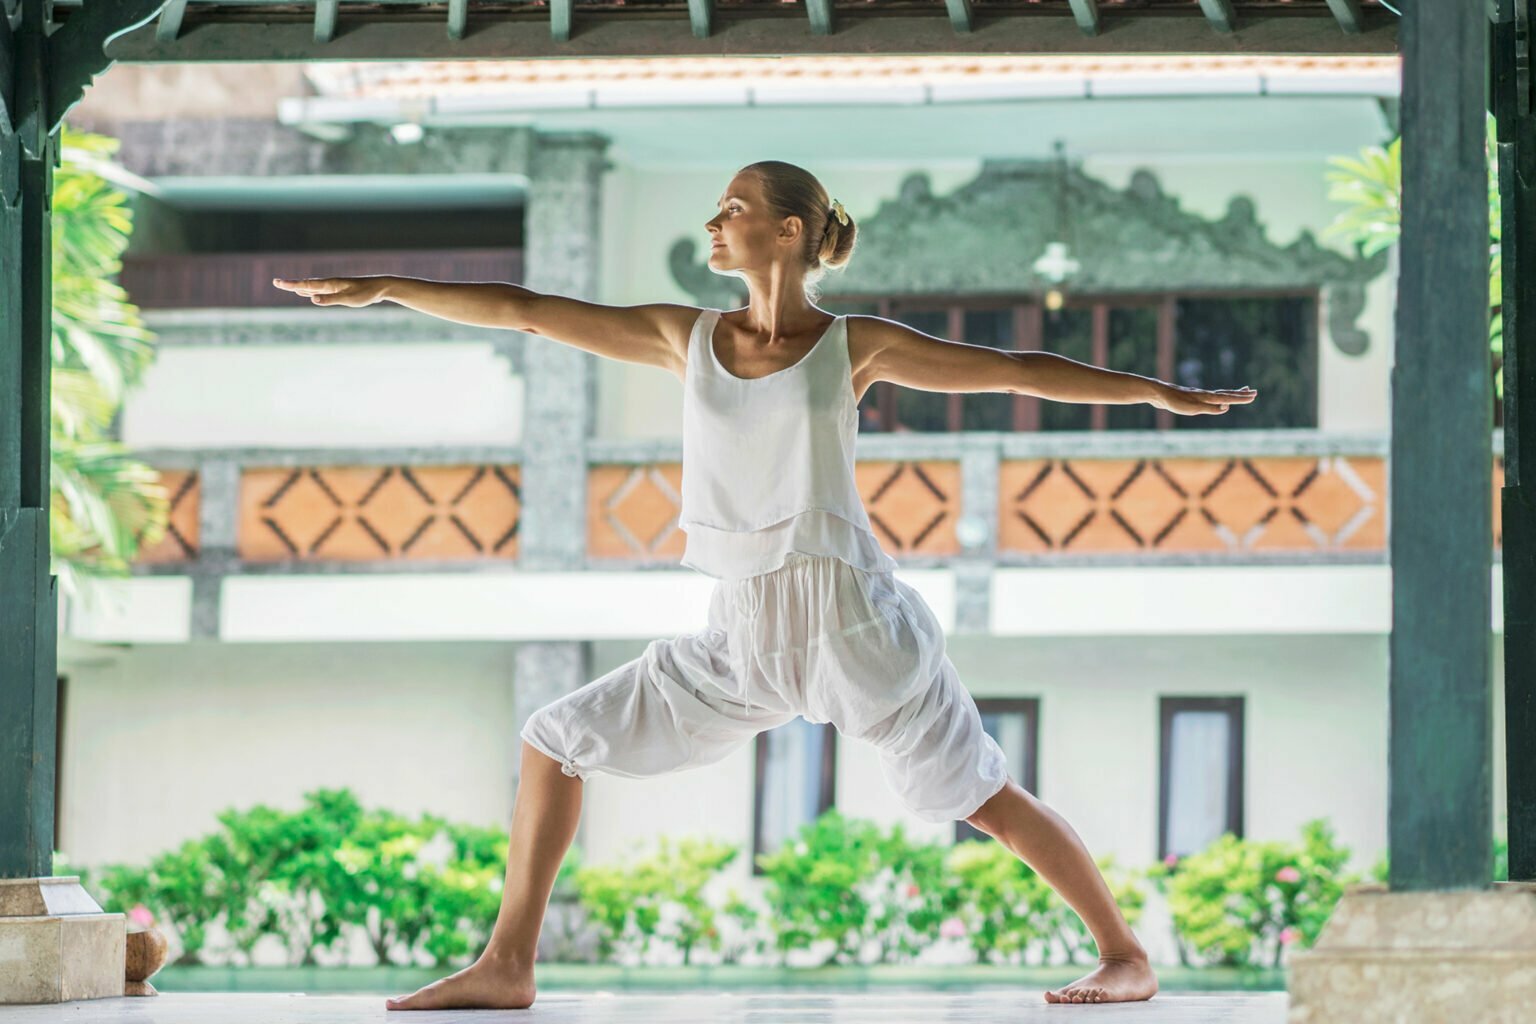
{"type": "Point", "coordinates": [28, 594]}
{"type": "Point", "coordinates": [1514, 105]}
{"type": "Point", "coordinates": [1439, 779]}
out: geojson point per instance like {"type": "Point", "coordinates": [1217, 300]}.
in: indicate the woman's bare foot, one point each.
{"type": "Point", "coordinates": [485, 984]}
{"type": "Point", "coordinates": [1115, 980]}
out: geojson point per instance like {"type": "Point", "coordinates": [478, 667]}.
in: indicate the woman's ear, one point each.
{"type": "Point", "coordinates": [790, 229]}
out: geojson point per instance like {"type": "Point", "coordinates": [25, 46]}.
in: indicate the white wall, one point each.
{"type": "Point", "coordinates": [325, 396]}
{"type": "Point", "coordinates": [158, 740]}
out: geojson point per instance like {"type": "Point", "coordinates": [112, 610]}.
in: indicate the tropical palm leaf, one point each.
{"type": "Point", "coordinates": [104, 505]}
{"type": "Point", "coordinates": [1371, 187]}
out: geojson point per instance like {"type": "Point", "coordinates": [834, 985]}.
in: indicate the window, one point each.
{"type": "Point", "coordinates": [1267, 341]}
{"type": "Point", "coordinates": [1200, 780]}
{"type": "Point", "coordinates": [795, 782]}
{"type": "Point", "coordinates": [1014, 722]}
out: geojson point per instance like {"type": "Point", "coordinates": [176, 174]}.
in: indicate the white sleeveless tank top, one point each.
{"type": "Point", "coordinates": [768, 461]}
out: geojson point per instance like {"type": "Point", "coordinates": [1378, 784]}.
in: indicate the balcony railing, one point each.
{"type": "Point", "coordinates": [1015, 499]}
{"type": "Point", "coordinates": [244, 280]}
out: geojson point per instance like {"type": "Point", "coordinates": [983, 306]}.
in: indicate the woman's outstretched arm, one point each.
{"type": "Point", "coordinates": [652, 335]}
{"type": "Point", "coordinates": [897, 353]}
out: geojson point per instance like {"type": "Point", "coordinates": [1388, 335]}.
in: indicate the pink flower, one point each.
{"type": "Point", "coordinates": [141, 916]}
{"type": "Point", "coordinates": [952, 928]}
{"type": "Point", "coordinates": [1172, 860]}
{"type": "Point", "coordinates": [1288, 874]}
{"type": "Point", "coordinates": [1289, 935]}
{"type": "Point", "coordinates": [912, 891]}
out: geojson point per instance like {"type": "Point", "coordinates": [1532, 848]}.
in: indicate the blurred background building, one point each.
{"type": "Point", "coordinates": [394, 537]}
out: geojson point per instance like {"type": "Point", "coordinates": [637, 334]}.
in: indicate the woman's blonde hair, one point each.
{"type": "Point", "coordinates": [792, 191]}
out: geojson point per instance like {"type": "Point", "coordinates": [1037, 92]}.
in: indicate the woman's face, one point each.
{"type": "Point", "coordinates": [744, 234]}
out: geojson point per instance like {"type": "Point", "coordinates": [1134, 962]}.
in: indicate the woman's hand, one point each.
{"type": "Point", "coordinates": [1198, 402]}
{"type": "Point", "coordinates": [337, 291]}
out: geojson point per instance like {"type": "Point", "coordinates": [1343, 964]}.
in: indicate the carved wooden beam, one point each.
{"type": "Point", "coordinates": [278, 36]}
{"type": "Point", "coordinates": [77, 49]}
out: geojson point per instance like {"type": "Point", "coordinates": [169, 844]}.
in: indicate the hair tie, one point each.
{"type": "Point", "coordinates": [839, 213]}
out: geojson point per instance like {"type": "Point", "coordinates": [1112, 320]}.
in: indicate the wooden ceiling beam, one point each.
{"type": "Point", "coordinates": [701, 15]}
{"type": "Point", "coordinates": [1347, 12]}
{"type": "Point", "coordinates": [325, 20]}
{"type": "Point", "coordinates": [820, 13]}
{"type": "Point", "coordinates": [168, 26]}
{"type": "Point", "coordinates": [961, 17]}
{"type": "Point", "coordinates": [1220, 14]}
{"type": "Point", "coordinates": [370, 36]}
{"type": "Point", "coordinates": [1087, 14]}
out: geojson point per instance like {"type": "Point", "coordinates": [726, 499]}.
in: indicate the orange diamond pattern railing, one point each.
{"type": "Point", "coordinates": [1236, 506]}
{"type": "Point", "coordinates": [373, 513]}
{"type": "Point", "coordinates": [1199, 506]}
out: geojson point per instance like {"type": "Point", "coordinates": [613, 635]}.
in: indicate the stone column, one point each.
{"type": "Point", "coordinates": [219, 516]}
{"type": "Point", "coordinates": [561, 243]}
{"type": "Point", "coordinates": [977, 532]}
{"type": "Point", "coordinates": [561, 253]}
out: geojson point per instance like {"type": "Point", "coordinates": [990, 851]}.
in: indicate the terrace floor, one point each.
{"type": "Point", "coordinates": [884, 1007]}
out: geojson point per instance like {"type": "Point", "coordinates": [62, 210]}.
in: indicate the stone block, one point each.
{"type": "Point", "coordinates": [1425, 957]}
{"type": "Point", "coordinates": [61, 958]}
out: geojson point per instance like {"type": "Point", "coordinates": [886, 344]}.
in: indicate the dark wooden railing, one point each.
{"type": "Point", "coordinates": [240, 280]}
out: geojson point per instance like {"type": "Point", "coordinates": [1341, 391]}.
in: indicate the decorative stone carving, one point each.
{"type": "Point", "coordinates": [984, 238]}
{"type": "Point", "coordinates": [146, 953]}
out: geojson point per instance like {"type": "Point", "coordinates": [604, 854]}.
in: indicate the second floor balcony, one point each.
{"type": "Point", "coordinates": [201, 280]}
{"type": "Point", "coordinates": [1068, 498]}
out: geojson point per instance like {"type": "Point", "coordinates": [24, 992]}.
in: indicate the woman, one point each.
{"type": "Point", "coordinates": [806, 617]}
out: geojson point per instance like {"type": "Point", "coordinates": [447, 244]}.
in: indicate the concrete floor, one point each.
{"type": "Point", "coordinates": [723, 1008]}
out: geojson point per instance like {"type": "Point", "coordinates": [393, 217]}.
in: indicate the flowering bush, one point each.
{"type": "Point", "coordinates": [424, 888]}
{"type": "Point", "coordinates": [818, 885]}
{"type": "Point", "coordinates": [1240, 901]}
{"type": "Point", "coordinates": [628, 904]}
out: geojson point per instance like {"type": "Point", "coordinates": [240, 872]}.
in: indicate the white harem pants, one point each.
{"type": "Point", "coordinates": [816, 638]}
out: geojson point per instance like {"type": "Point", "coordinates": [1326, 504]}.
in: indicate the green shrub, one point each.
{"type": "Point", "coordinates": [305, 877]}
{"type": "Point", "coordinates": [817, 883]}
{"type": "Point", "coordinates": [627, 903]}
{"type": "Point", "coordinates": [1240, 901]}
{"type": "Point", "coordinates": [1007, 908]}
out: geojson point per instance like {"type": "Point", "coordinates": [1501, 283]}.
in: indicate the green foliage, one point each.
{"type": "Point", "coordinates": [1239, 900]}
{"type": "Point", "coordinates": [1371, 187]}
{"type": "Point", "coordinates": [104, 505]}
{"type": "Point", "coordinates": [817, 885]}
{"type": "Point", "coordinates": [306, 877]}
{"type": "Point", "coordinates": [627, 903]}
{"type": "Point", "coordinates": [1008, 910]}
{"type": "Point", "coordinates": [1012, 916]}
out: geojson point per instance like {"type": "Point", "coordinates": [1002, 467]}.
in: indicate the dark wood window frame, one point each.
{"type": "Point", "coordinates": [1029, 333]}
{"type": "Point", "coordinates": [1026, 775]}
{"type": "Point", "coordinates": [825, 798]}
{"type": "Point", "coordinates": [1168, 707]}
